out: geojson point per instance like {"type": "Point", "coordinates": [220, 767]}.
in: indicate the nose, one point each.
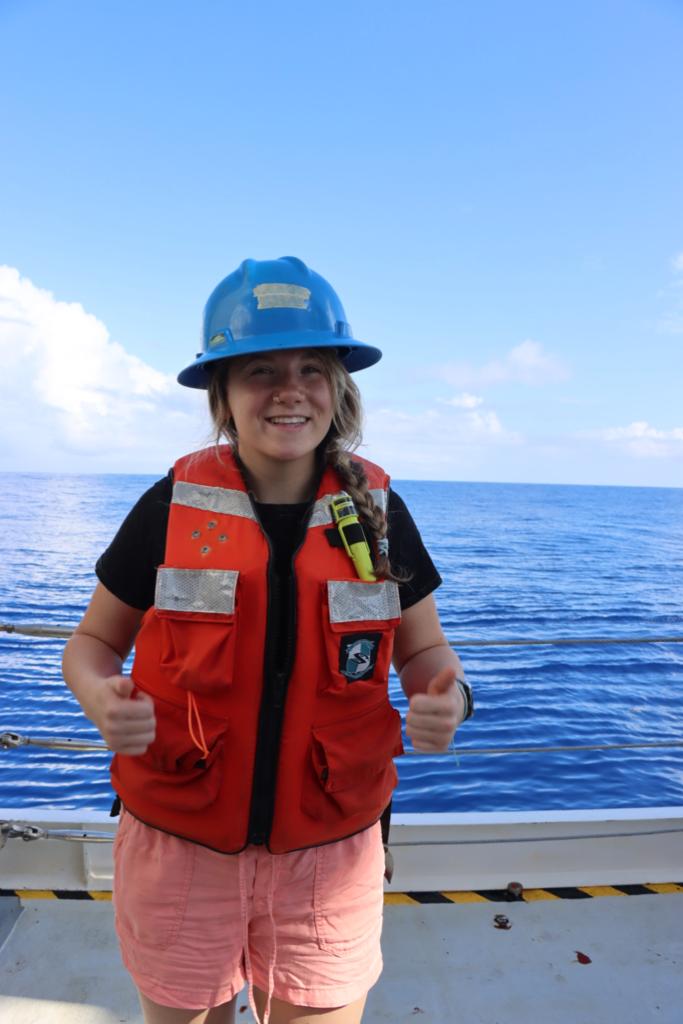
{"type": "Point", "coordinates": [288, 387]}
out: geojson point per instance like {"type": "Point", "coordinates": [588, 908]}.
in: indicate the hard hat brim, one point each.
{"type": "Point", "coordinates": [355, 355]}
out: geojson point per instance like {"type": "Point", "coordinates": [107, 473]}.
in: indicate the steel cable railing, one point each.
{"type": "Point", "coordinates": [64, 632]}
{"type": "Point", "coordinates": [10, 740]}
{"type": "Point", "coordinates": [29, 833]}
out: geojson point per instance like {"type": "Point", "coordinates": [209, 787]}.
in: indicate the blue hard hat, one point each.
{"type": "Point", "coordinates": [274, 304]}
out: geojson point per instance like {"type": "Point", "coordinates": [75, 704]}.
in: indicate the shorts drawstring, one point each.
{"type": "Point", "coordinates": [273, 954]}
{"type": "Point", "coordinates": [245, 936]}
{"type": "Point", "coordinates": [244, 917]}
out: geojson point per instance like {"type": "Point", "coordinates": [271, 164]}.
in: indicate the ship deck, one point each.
{"type": "Point", "coordinates": [444, 961]}
{"type": "Point", "coordinates": [612, 891]}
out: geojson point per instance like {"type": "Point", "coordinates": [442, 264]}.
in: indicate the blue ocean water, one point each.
{"type": "Point", "coordinates": [518, 561]}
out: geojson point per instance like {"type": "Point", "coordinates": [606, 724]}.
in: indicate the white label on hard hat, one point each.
{"type": "Point", "coordinates": [282, 296]}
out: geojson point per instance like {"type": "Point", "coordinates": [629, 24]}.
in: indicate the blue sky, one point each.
{"type": "Point", "coordinates": [495, 190]}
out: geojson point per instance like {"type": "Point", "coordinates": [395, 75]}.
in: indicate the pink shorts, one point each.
{"type": "Point", "coordinates": [195, 925]}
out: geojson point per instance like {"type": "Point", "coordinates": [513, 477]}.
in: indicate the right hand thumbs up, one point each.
{"type": "Point", "coordinates": [122, 685]}
{"type": "Point", "coordinates": [125, 716]}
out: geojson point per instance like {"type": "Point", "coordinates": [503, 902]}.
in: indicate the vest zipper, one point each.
{"type": "Point", "coordinates": [275, 683]}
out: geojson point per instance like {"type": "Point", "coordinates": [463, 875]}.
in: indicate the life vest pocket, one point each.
{"type": "Point", "coordinates": [197, 611]}
{"type": "Point", "coordinates": [352, 767]}
{"type": "Point", "coordinates": [359, 620]}
{"type": "Point", "coordinates": [177, 773]}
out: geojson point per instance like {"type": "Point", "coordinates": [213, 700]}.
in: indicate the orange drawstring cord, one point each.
{"type": "Point", "coordinates": [193, 712]}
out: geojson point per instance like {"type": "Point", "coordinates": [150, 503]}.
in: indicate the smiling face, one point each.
{"type": "Point", "coordinates": [282, 407]}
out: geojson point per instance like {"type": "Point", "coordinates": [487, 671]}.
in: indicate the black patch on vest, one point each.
{"type": "Point", "coordinates": [358, 655]}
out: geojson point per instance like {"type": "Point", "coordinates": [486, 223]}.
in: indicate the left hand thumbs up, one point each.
{"type": "Point", "coordinates": [433, 716]}
{"type": "Point", "coordinates": [442, 682]}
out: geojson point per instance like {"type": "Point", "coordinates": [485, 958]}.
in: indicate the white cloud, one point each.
{"type": "Point", "coordinates": [677, 262]}
{"type": "Point", "coordinates": [641, 429]}
{"type": "Point", "coordinates": [74, 399]}
{"type": "Point", "coordinates": [526, 363]}
{"type": "Point", "coordinates": [463, 401]}
{"type": "Point", "coordinates": [529, 363]}
{"type": "Point", "coordinates": [642, 440]}
{"type": "Point", "coordinates": [487, 424]}
{"type": "Point", "coordinates": [437, 442]}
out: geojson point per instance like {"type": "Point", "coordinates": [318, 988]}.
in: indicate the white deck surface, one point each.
{"type": "Point", "coordinates": [60, 964]}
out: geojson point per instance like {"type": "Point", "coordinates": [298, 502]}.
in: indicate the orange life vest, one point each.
{"type": "Point", "coordinates": [243, 753]}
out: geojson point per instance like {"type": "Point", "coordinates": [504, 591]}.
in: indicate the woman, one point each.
{"type": "Point", "coordinates": [254, 737]}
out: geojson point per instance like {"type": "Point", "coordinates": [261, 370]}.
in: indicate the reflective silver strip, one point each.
{"type": "Point", "coordinates": [236, 503]}
{"type": "Point", "coordinates": [321, 510]}
{"type": "Point", "coordinates": [353, 601]}
{"type": "Point", "coordinates": [213, 499]}
{"type": "Point", "coordinates": [196, 590]}
{"type": "Point", "coordinates": [379, 497]}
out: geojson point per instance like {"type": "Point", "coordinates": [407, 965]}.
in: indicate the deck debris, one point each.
{"type": "Point", "coordinates": [417, 1009]}
{"type": "Point", "coordinates": [582, 958]}
{"type": "Point", "coordinates": [501, 921]}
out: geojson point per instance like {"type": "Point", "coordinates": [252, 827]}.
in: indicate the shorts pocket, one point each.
{"type": "Point", "coordinates": [359, 620]}
{"type": "Point", "coordinates": [197, 611]}
{"type": "Point", "coordinates": [348, 894]}
{"type": "Point", "coordinates": [353, 771]}
{"type": "Point", "coordinates": [152, 878]}
{"type": "Point", "coordinates": [177, 773]}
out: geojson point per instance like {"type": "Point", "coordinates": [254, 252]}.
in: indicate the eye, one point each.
{"type": "Point", "coordinates": [311, 368]}
{"type": "Point", "coordinates": [259, 369]}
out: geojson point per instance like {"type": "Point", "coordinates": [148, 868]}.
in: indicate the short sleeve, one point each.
{"type": "Point", "coordinates": [408, 555]}
{"type": "Point", "coordinates": [128, 566]}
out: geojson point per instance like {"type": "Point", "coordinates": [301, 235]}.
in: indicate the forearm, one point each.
{"type": "Point", "coordinates": [418, 670]}
{"type": "Point", "coordinates": [86, 664]}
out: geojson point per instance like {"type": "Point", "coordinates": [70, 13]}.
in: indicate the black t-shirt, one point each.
{"type": "Point", "coordinates": [128, 566]}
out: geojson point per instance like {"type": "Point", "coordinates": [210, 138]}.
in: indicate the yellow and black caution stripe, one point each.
{"type": "Point", "coordinates": [56, 894]}
{"type": "Point", "coordinates": [414, 898]}
{"type": "Point", "coordinates": [532, 895]}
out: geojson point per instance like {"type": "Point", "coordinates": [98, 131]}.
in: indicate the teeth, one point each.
{"type": "Point", "coordinates": [287, 419]}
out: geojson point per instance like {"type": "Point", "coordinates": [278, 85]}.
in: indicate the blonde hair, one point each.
{"type": "Point", "coordinates": [344, 436]}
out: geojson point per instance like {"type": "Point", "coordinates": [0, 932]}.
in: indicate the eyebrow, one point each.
{"type": "Point", "coordinates": [269, 357]}
{"type": "Point", "coordinates": [259, 358]}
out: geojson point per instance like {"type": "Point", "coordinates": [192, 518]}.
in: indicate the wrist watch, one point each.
{"type": "Point", "coordinates": [466, 691]}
